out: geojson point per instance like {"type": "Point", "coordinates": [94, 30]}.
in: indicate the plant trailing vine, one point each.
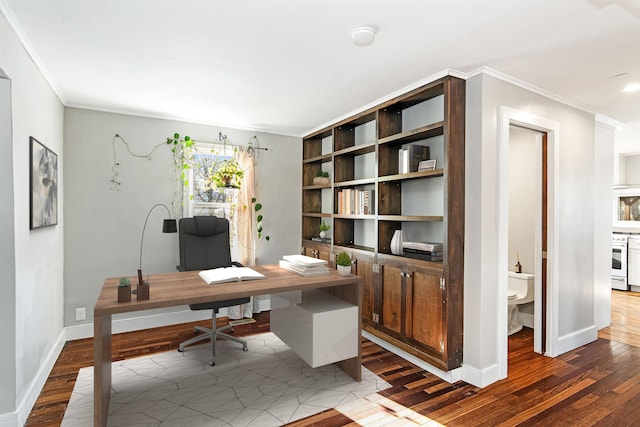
{"type": "Point", "coordinates": [182, 149]}
{"type": "Point", "coordinates": [258, 207]}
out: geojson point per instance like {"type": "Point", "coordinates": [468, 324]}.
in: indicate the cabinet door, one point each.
{"type": "Point", "coordinates": [425, 310]}
{"type": "Point", "coordinates": [633, 266]}
{"type": "Point", "coordinates": [364, 268]}
{"type": "Point", "coordinates": [391, 290]}
{"type": "Point", "coordinates": [319, 251]}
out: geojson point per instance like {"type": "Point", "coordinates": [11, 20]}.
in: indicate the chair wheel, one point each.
{"type": "Point", "coordinates": [212, 363]}
{"type": "Point", "coordinates": [180, 349]}
{"type": "Point", "coordinates": [245, 348]}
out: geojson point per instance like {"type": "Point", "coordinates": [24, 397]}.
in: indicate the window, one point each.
{"type": "Point", "coordinates": [205, 200]}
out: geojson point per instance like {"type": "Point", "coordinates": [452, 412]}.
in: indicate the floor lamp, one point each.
{"type": "Point", "coordinates": [168, 226]}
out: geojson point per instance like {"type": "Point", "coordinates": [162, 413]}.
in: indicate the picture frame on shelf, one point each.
{"type": "Point", "coordinates": [427, 165]}
{"type": "Point", "coordinates": [43, 196]}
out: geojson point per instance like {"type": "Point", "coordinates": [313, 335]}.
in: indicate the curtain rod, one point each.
{"type": "Point", "coordinates": [223, 140]}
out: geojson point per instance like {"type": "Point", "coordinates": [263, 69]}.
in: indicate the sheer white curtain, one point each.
{"type": "Point", "coordinates": [245, 227]}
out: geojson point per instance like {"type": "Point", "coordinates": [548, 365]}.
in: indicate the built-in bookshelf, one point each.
{"type": "Point", "coordinates": [372, 159]}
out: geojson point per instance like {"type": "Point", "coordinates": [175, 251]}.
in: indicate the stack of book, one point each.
{"type": "Point", "coordinates": [409, 158]}
{"type": "Point", "coordinates": [304, 265]}
{"type": "Point", "coordinates": [352, 201]}
{"type": "Point", "coordinates": [423, 251]}
{"type": "Point", "coordinates": [321, 239]}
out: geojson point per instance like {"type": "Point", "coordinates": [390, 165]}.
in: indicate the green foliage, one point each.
{"type": "Point", "coordinates": [323, 174]}
{"type": "Point", "coordinates": [228, 173]}
{"type": "Point", "coordinates": [124, 282]}
{"type": "Point", "coordinates": [343, 258]}
{"type": "Point", "coordinates": [258, 207]}
{"type": "Point", "coordinates": [182, 149]}
{"type": "Point", "coordinates": [323, 226]}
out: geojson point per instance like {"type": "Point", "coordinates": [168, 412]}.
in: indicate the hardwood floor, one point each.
{"type": "Point", "coordinates": [597, 384]}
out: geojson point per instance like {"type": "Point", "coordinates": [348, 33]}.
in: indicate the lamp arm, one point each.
{"type": "Point", "coordinates": [145, 227]}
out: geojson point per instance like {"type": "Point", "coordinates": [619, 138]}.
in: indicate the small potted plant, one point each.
{"type": "Point", "coordinates": [228, 174]}
{"type": "Point", "coordinates": [124, 290]}
{"type": "Point", "coordinates": [343, 262]}
{"type": "Point", "coordinates": [321, 178]}
{"type": "Point", "coordinates": [323, 229]}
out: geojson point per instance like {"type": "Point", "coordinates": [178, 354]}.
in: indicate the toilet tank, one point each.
{"type": "Point", "coordinates": [523, 284]}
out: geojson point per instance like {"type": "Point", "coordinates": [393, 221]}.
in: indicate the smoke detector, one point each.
{"type": "Point", "coordinates": [364, 36]}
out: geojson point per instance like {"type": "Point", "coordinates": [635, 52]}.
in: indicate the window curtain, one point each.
{"type": "Point", "coordinates": [245, 228]}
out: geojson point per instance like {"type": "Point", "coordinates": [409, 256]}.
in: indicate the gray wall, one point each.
{"type": "Point", "coordinates": [102, 238]}
{"type": "Point", "coordinates": [31, 275]}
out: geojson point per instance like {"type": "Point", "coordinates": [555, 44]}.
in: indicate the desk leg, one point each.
{"type": "Point", "coordinates": [352, 294]}
{"type": "Point", "coordinates": [101, 369]}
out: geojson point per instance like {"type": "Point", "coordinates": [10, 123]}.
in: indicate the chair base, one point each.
{"type": "Point", "coordinates": [207, 334]}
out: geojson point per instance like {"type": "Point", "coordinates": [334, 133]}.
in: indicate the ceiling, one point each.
{"type": "Point", "coordinates": [289, 66]}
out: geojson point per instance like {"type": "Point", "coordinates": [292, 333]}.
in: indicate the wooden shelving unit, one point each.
{"type": "Point", "coordinates": [414, 304]}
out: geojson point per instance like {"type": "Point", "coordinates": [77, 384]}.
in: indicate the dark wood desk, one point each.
{"type": "Point", "coordinates": [174, 289]}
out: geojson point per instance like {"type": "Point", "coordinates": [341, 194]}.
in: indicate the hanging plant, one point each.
{"type": "Point", "coordinates": [228, 174]}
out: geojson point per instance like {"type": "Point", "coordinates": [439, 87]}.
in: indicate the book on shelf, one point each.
{"type": "Point", "coordinates": [422, 256]}
{"type": "Point", "coordinates": [304, 265]}
{"type": "Point", "coordinates": [229, 274]}
{"type": "Point", "coordinates": [427, 253]}
{"type": "Point", "coordinates": [353, 201]}
{"type": "Point", "coordinates": [321, 240]}
{"type": "Point", "coordinates": [423, 246]}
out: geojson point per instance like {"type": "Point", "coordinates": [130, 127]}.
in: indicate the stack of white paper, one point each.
{"type": "Point", "coordinates": [304, 265]}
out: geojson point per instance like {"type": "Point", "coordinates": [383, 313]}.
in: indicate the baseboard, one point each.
{"type": "Point", "coordinates": [20, 415]}
{"type": "Point", "coordinates": [142, 322]}
{"type": "Point", "coordinates": [450, 376]}
{"type": "Point", "coordinates": [480, 377]}
{"type": "Point", "coordinates": [10, 419]}
{"type": "Point", "coordinates": [576, 339]}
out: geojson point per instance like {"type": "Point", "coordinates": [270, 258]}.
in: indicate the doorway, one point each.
{"type": "Point", "coordinates": [544, 254]}
{"type": "Point", "coordinates": [527, 204]}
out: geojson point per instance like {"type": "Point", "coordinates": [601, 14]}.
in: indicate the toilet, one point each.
{"type": "Point", "coordinates": [520, 290]}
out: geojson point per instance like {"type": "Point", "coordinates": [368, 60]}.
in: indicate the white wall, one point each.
{"type": "Point", "coordinates": [102, 237]}
{"type": "Point", "coordinates": [576, 195]}
{"type": "Point", "coordinates": [627, 139]}
{"type": "Point", "coordinates": [34, 290]}
{"type": "Point", "coordinates": [522, 192]}
{"type": "Point", "coordinates": [603, 188]}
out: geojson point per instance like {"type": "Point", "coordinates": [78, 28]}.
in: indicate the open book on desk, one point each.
{"type": "Point", "coordinates": [229, 274]}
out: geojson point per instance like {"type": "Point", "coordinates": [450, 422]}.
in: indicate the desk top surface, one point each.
{"type": "Point", "coordinates": [182, 288]}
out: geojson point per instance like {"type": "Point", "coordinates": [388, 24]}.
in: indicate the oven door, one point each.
{"type": "Point", "coordinates": [619, 261]}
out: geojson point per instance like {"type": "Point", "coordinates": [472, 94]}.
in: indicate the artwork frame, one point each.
{"type": "Point", "coordinates": [43, 188]}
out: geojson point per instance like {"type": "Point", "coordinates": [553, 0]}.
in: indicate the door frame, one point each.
{"type": "Point", "coordinates": [509, 116]}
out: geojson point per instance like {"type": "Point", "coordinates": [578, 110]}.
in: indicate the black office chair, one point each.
{"type": "Point", "coordinates": [204, 244]}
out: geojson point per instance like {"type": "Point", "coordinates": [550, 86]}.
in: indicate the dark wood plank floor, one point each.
{"type": "Point", "coordinates": [597, 384]}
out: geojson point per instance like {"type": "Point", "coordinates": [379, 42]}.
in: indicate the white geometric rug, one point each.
{"type": "Point", "coordinates": [267, 386]}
